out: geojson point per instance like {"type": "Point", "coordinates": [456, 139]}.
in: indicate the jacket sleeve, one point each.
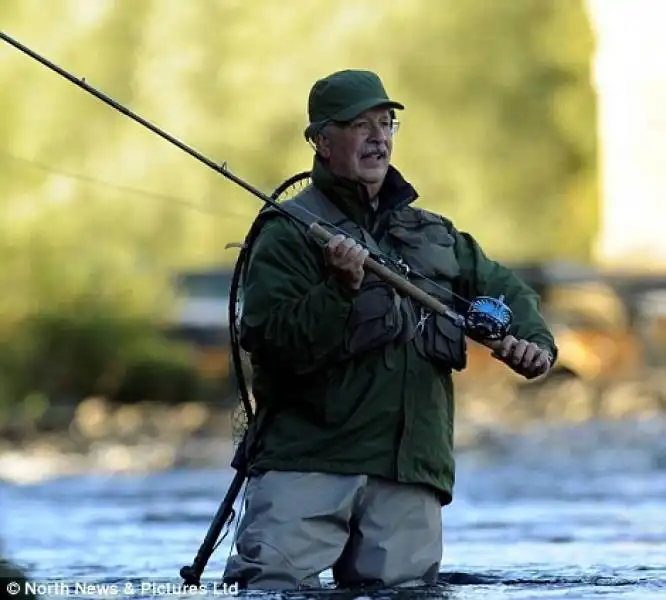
{"type": "Point", "coordinates": [291, 316]}
{"type": "Point", "coordinates": [482, 276]}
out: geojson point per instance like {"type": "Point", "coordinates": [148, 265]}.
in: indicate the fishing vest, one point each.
{"type": "Point", "coordinates": [380, 317]}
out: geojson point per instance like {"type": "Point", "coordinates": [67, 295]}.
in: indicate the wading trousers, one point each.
{"type": "Point", "coordinates": [367, 530]}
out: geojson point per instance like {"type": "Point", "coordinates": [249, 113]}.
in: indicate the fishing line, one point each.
{"type": "Point", "coordinates": [220, 168]}
{"type": "Point", "coordinates": [115, 186]}
{"type": "Point", "coordinates": [487, 319]}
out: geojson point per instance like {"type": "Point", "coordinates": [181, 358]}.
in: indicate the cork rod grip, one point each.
{"type": "Point", "coordinates": [393, 279]}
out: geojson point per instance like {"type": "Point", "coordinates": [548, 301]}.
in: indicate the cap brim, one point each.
{"type": "Point", "coordinates": [353, 111]}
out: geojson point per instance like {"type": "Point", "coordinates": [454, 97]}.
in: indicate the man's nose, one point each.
{"type": "Point", "coordinates": [378, 132]}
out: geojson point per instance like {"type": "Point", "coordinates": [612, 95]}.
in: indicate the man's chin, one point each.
{"type": "Point", "coordinates": [372, 175]}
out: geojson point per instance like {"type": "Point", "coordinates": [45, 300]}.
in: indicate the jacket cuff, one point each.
{"type": "Point", "coordinates": [547, 344]}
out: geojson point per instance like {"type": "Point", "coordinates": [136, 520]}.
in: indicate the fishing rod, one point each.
{"type": "Point", "coordinates": [486, 320]}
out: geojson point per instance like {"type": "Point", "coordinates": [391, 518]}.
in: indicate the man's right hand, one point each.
{"type": "Point", "coordinates": [346, 256]}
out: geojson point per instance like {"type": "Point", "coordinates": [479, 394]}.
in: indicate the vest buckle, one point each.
{"type": "Point", "coordinates": [424, 315]}
{"type": "Point", "coordinates": [403, 267]}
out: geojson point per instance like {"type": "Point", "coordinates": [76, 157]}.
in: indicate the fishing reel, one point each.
{"type": "Point", "coordinates": [488, 318]}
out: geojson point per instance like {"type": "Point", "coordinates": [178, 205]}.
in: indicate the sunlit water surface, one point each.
{"type": "Point", "coordinates": [574, 513]}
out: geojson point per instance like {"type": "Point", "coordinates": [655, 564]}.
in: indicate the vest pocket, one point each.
{"type": "Point", "coordinates": [438, 338]}
{"type": "Point", "coordinates": [376, 319]}
{"type": "Point", "coordinates": [442, 342]}
{"type": "Point", "coordinates": [423, 240]}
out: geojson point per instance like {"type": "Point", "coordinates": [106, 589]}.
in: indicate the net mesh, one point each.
{"type": "Point", "coordinates": [239, 418]}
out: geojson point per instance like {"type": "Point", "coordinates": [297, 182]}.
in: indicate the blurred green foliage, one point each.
{"type": "Point", "coordinates": [83, 349]}
{"type": "Point", "coordinates": [91, 348]}
{"type": "Point", "coordinates": [498, 134]}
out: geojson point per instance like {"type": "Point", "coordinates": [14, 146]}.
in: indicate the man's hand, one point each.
{"type": "Point", "coordinates": [525, 358]}
{"type": "Point", "coordinates": [347, 257]}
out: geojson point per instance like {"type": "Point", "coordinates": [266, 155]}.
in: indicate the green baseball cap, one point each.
{"type": "Point", "coordinates": [344, 95]}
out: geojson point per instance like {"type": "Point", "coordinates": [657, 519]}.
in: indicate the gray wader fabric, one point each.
{"type": "Point", "coordinates": [367, 530]}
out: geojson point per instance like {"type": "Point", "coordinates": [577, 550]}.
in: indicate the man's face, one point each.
{"type": "Point", "coordinates": [360, 150]}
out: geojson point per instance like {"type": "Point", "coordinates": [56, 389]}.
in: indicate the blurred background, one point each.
{"type": "Point", "coordinates": [537, 125]}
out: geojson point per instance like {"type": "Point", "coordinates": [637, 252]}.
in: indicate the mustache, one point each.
{"type": "Point", "coordinates": [378, 151]}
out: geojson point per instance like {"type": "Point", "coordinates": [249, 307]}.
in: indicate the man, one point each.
{"type": "Point", "coordinates": [352, 455]}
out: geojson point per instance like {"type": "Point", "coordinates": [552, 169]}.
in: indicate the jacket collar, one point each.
{"type": "Point", "coordinates": [352, 197]}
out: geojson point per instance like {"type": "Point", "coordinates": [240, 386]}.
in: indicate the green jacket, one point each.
{"type": "Point", "coordinates": [388, 411]}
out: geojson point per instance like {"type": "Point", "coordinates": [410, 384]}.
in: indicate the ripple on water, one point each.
{"type": "Point", "coordinates": [537, 520]}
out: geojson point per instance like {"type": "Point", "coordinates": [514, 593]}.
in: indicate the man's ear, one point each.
{"type": "Point", "coordinates": [323, 144]}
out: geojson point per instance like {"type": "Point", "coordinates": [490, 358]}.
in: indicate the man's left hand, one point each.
{"type": "Point", "coordinates": [525, 358]}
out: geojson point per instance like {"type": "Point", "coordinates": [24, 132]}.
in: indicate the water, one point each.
{"type": "Point", "coordinates": [572, 513]}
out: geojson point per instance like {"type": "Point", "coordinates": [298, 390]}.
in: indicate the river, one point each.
{"type": "Point", "coordinates": [572, 512]}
